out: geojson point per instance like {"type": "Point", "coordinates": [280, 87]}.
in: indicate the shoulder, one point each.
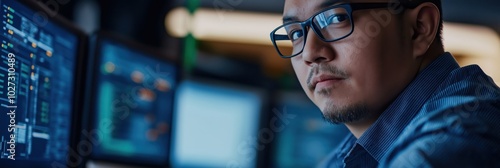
{"type": "Point", "coordinates": [466, 91]}
{"type": "Point", "coordinates": [459, 125]}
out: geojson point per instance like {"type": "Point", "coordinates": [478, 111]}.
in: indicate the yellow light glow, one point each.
{"type": "Point", "coordinates": [232, 26]}
{"type": "Point", "coordinates": [226, 26]}
{"type": "Point", "coordinates": [480, 44]}
{"type": "Point", "coordinates": [471, 40]}
{"type": "Point", "coordinates": [178, 22]}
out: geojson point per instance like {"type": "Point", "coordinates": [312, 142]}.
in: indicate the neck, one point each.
{"type": "Point", "coordinates": [432, 54]}
{"type": "Point", "coordinates": [359, 127]}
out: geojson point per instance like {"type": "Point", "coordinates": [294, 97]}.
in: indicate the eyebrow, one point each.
{"type": "Point", "coordinates": [288, 19]}
{"type": "Point", "coordinates": [325, 4]}
{"type": "Point", "coordinates": [328, 3]}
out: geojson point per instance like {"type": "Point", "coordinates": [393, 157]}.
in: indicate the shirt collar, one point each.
{"type": "Point", "coordinates": [381, 135]}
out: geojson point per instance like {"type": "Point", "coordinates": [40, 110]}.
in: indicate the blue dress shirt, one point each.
{"type": "Point", "coordinates": [446, 117]}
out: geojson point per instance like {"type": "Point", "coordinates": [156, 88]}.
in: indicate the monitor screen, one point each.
{"type": "Point", "coordinates": [39, 57]}
{"type": "Point", "coordinates": [307, 139]}
{"type": "Point", "coordinates": [132, 103]}
{"type": "Point", "coordinates": [215, 125]}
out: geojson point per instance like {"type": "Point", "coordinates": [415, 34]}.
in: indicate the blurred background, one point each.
{"type": "Point", "coordinates": [472, 36]}
{"type": "Point", "coordinates": [238, 104]}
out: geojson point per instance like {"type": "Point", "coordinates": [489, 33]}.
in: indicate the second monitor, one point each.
{"type": "Point", "coordinates": [131, 102]}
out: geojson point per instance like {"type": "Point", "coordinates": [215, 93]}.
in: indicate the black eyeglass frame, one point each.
{"type": "Point", "coordinates": [349, 7]}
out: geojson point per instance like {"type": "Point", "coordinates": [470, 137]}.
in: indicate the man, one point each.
{"type": "Point", "coordinates": [380, 68]}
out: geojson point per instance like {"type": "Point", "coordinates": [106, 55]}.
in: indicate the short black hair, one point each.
{"type": "Point", "coordinates": [414, 3]}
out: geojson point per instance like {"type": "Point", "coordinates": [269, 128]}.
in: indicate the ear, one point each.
{"type": "Point", "coordinates": [425, 20]}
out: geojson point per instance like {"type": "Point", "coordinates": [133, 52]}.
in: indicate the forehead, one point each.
{"type": "Point", "coordinates": [306, 7]}
{"type": "Point", "coordinates": [303, 9]}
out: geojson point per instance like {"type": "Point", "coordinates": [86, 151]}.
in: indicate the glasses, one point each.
{"type": "Point", "coordinates": [332, 24]}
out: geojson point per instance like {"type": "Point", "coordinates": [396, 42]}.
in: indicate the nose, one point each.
{"type": "Point", "coordinates": [316, 50]}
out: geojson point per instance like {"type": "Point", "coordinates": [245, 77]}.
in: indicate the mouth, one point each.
{"type": "Point", "coordinates": [325, 81]}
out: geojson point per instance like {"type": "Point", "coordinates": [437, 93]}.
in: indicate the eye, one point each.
{"type": "Point", "coordinates": [336, 19]}
{"type": "Point", "coordinates": [296, 34]}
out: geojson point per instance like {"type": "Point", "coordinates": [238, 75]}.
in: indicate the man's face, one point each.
{"type": "Point", "coordinates": [356, 78]}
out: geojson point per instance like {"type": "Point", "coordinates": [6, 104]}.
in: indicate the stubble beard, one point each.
{"type": "Point", "coordinates": [342, 114]}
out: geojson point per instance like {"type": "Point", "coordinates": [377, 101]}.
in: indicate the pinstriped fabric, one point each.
{"type": "Point", "coordinates": [436, 87]}
{"type": "Point", "coordinates": [457, 127]}
{"type": "Point", "coordinates": [379, 137]}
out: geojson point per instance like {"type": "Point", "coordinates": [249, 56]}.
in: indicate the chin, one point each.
{"type": "Point", "coordinates": [343, 113]}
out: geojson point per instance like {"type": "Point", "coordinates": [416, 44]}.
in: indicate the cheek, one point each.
{"type": "Point", "coordinates": [301, 71]}
{"type": "Point", "coordinates": [372, 68]}
{"type": "Point", "coordinates": [366, 75]}
{"type": "Point", "coordinates": [364, 65]}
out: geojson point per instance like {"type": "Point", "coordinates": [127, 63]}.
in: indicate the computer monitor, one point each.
{"type": "Point", "coordinates": [41, 62]}
{"type": "Point", "coordinates": [216, 125]}
{"type": "Point", "coordinates": [307, 139]}
{"type": "Point", "coordinates": [131, 103]}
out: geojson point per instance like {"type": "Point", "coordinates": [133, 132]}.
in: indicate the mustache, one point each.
{"type": "Point", "coordinates": [325, 69]}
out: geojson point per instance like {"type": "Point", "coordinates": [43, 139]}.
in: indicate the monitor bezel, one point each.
{"type": "Point", "coordinates": [79, 73]}
{"type": "Point", "coordinates": [95, 58]}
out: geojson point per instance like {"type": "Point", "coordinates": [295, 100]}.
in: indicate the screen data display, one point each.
{"type": "Point", "coordinates": [37, 67]}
